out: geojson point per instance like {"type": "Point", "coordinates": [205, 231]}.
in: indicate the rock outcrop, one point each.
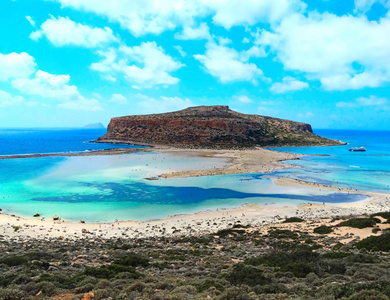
{"type": "Point", "coordinates": [211, 127]}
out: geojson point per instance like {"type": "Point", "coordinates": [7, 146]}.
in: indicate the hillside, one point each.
{"type": "Point", "coordinates": [211, 127]}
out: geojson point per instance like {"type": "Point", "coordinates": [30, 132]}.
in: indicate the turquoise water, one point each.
{"type": "Point", "coordinates": [106, 188]}
{"type": "Point", "coordinates": [368, 170]}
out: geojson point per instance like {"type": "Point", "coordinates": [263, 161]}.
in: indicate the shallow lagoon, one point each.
{"type": "Point", "coordinates": [106, 188]}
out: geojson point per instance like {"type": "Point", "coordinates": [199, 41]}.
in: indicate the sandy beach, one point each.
{"type": "Point", "coordinates": [239, 161]}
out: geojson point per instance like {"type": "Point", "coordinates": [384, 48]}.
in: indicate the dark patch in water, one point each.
{"type": "Point", "coordinates": [143, 193]}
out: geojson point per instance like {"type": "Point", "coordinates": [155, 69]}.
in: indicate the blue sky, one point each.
{"type": "Point", "coordinates": [66, 63]}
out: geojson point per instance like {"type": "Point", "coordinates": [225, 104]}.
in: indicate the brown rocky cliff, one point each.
{"type": "Point", "coordinates": [211, 127]}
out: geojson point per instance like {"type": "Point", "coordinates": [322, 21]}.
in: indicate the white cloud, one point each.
{"type": "Point", "coordinates": [243, 99]}
{"type": "Point", "coordinates": [63, 31]}
{"type": "Point", "coordinates": [365, 5]}
{"type": "Point", "coordinates": [142, 17]}
{"type": "Point", "coordinates": [156, 16]}
{"type": "Point", "coordinates": [55, 87]}
{"type": "Point", "coordinates": [162, 104]}
{"type": "Point", "coordinates": [344, 52]}
{"type": "Point", "coordinates": [31, 21]}
{"type": "Point", "coordinates": [15, 65]}
{"type": "Point", "coordinates": [180, 50]}
{"type": "Point", "coordinates": [229, 13]}
{"type": "Point", "coordinates": [227, 64]}
{"type": "Point", "coordinates": [118, 98]}
{"type": "Point", "coordinates": [362, 101]}
{"type": "Point", "coordinates": [288, 84]}
{"type": "Point", "coordinates": [190, 33]}
{"type": "Point", "coordinates": [145, 66]}
{"type": "Point", "coordinates": [7, 99]}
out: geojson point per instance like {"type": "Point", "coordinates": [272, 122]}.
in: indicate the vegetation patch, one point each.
{"type": "Point", "coordinates": [293, 220]}
{"type": "Point", "coordinates": [359, 223]}
{"type": "Point", "coordinates": [375, 243]}
{"type": "Point", "coordinates": [323, 229]}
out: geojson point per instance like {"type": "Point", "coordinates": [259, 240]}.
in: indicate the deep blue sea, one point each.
{"type": "Point", "coordinates": [105, 188]}
{"type": "Point", "coordinates": [52, 140]}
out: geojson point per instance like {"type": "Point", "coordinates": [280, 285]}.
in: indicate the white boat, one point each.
{"type": "Point", "coordinates": [357, 149]}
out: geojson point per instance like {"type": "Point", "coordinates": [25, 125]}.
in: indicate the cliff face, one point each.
{"type": "Point", "coordinates": [211, 127]}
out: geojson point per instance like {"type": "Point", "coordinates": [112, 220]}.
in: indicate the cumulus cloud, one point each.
{"type": "Point", "coordinates": [142, 17]}
{"type": "Point", "coordinates": [227, 64]}
{"type": "Point", "coordinates": [231, 13]}
{"type": "Point", "coordinates": [344, 52]}
{"type": "Point", "coordinates": [118, 98]}
{"type": "Point", "coordinates": [16, 65]}
{"type": "Point", "coordinates": [162, 104]}
{"type": "Point", "coordinates": [288, 84]}
{"type": "Point", "coordinates": [55, 87]}
{"type": "Point", "coordinates": [197, 33]}
{"type": "Point", "coordinates": [154, 16]}
{"type": "Point", "coordinates": [63, 32]}
{"type": "Point", "coordinates": [7, 99]}
{"type": "Point", "coordinates": [145, 66]}
{"type": "Point", "coordinates": [362, 101]}
{"type": "Point", "coordinates": [243, 99]}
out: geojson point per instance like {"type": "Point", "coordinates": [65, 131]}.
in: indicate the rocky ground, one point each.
{"type": "Point", "coordinates": [293, 259]}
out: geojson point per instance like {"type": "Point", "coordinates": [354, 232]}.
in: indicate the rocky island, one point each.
{"type": "Point", "coordinates": [211, 127]}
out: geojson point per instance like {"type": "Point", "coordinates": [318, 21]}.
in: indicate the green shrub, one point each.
{"type": "Point", "coordinates": [358, 223]}
{"type": "Point", "coordinates": [47, 288]}
{"type": "Point", "coordinates": [111, 271]}
{"type": "Point", "coordinates": [368, 295]}
{"type": "Point", "coordinates": [11, 294]}
{"type": "Point", "coordinates": [299, 269]}
{"type": "Point", "coordinates": [133, 260]}
{"type": "Point", "coordinates": [282, 233]}
{"type": "Point", "coordinates": [385, 215]}
{"type": "Point", "coordinates": [226, 232]}
{"type": "Point", "coordinates": [293, 220]}
{"type": "Point", "coordinates": [335, 255]}
{"type": "Point", "coordinates": [323, 229]}
{"type": "Point", "coordinates": [244, 274]}
{"type": "Point", "coordinates": [375, 243]}
{"type": "Point", "coordinates": [15, 260]}
{"type": "Point", "coordinates": [280, 259]}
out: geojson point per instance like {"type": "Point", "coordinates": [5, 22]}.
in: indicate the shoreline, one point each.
{"type": "Point", "coordinates": [239, 162]}
{"type": "Point", "coordinates": [204, 222]}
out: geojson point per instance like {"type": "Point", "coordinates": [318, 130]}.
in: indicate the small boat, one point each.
{"type": "Point", "coordinates": [357, 149]}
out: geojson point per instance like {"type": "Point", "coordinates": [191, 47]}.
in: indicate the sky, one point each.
{"type": "Point", "coordinates": [67, 63]}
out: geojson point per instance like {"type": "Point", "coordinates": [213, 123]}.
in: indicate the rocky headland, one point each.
{"type": "Point", "coordinates": [211, 127]}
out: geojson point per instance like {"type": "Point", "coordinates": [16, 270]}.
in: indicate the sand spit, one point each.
{"type": "Point", "coordinates": [257, 160]}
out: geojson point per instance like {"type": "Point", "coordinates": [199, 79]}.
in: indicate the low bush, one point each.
{"type": "Point", "coordinates": [244, 274]}
{"type": "Point", "coordinates": [375, 243]}
{"type": "Point", "coordinates": [133, 260]}
{"type": "Point", "coordinates": [323, 229]}
{"type": "Point", "coordinates": [293, 220]}
{"type": "Point", "coordinates": [111, 271]}
{"type": "Point", "coordinates": [299, 269]}
{"type": "Point", "coordinates": [283, 233]}
{"type": "Point", "coordinates": [359, 223]}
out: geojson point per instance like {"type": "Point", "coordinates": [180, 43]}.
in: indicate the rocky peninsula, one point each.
{"type": "Point", "coordinates": [211, 127]}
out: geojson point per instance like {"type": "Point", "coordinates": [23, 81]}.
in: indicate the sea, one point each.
{"type": "Point", "coordinates": [109, 188]}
